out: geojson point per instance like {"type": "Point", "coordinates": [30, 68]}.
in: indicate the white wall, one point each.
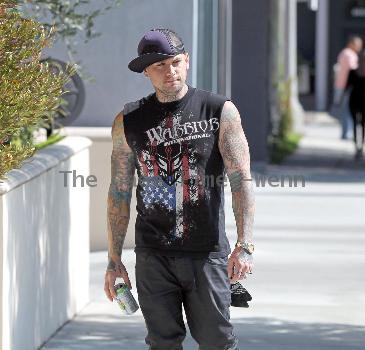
{"type": "Point", "coordinates": [44, 252]}
{"type": "Point", "coordinates": [100, 153]}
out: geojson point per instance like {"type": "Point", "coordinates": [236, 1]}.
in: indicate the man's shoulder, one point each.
{"type": "Point", "coordinates": [210, 94]}
{"type": "Point", "coordinates": [211, 97]}
{"type": "Point", "coordinates": [131, 108]}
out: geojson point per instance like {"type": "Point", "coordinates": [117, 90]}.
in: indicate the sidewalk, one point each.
{"type": "Point", "coordinates": [307, 283]}
{"type": "Point", "coordinates": [322, 156]}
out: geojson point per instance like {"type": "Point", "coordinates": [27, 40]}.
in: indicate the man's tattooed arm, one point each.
{"type": "Point", "coordinates": [120, 192]}
{"type": "Point", "coordinates": [236, 156]}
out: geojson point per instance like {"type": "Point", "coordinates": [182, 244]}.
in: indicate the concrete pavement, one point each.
{"type": "Point", "coordinates": [308, 285]}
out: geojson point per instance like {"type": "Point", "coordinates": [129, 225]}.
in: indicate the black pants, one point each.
{"type": "Point", "coordinates": [165, 284]}
{"type": "Point", "coordinates": [358, 117]}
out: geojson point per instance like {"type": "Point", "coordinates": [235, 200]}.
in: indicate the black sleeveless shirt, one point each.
{"type": "Point", "coordinates": [180, 190]}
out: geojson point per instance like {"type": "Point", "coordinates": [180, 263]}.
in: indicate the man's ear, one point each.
{"type": "Point", "coordinates": [187, 60]}
{"type": "Point", "coordinates": [145, 72]}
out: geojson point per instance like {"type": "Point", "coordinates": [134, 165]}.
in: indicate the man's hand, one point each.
{"type": "Point", "coordinates": [239, 264]}
{"type": "Point", "coordinates": [111, 276]}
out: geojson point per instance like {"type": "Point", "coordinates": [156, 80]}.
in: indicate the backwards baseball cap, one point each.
{"type": "Point", "coordinates": [156, 45]}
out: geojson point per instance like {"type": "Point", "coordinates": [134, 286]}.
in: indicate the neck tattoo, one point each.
{"type": "Point", "coordinates": [164, 96]}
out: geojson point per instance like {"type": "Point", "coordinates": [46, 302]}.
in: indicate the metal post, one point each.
{"type": "Point", "coordinates": [291, 62]}
{"type": "Point", "coordinates": [195, 48]}
{"type": "Point", "coordinates": [224, 47]}
{"type": "Point", "coordinates": [321, 69]}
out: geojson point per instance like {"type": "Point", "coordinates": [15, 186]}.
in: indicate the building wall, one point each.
{"type": "Point", "coordinates": [250, 71]}
{"type": "Point", "coordinates": [341, 26]}
{"type": "Point", "coordinates": [306, 31]}
{"type": "Point", "coordinates": [306, 35]}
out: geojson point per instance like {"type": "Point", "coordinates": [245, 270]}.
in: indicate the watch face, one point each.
{"type": "Point", "coordinates": [248, 247]}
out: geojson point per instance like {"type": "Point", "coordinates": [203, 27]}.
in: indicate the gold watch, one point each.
{"type": "Point", "coordinates": [247, 247]}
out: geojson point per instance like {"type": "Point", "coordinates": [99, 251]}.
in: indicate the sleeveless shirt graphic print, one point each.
{"type": "Point", "coordinates": [176, 151]}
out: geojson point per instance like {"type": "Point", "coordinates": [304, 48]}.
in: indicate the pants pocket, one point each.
{"type": "Point", "coordinates": [217, 261]}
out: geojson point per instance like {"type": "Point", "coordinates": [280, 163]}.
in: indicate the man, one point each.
{"type": "Point", "coordinates": [181, 140]}
{"type": "Point", "coordinates": [347, 60]}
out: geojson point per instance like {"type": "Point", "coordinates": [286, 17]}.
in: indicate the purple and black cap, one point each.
{"type": "Point", "coordinates": [156, 45]}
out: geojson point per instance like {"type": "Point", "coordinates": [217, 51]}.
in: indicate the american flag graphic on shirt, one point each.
{"type": "Point", "coordinates": [169, 178]}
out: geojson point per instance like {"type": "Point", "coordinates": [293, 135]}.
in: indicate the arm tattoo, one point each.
{"type": "Point", "coordinates": [120, 192]}
{"type": "Point", "coordinates": [236, 156]}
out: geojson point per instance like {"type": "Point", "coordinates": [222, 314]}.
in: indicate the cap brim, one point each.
{"type": "Point", "coordinates": [141, 62]}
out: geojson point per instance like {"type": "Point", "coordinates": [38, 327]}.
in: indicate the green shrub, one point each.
{"type": "Point", "coordinates": [29, 92]}
{"type": "Point", "coordinates": [285, 141]}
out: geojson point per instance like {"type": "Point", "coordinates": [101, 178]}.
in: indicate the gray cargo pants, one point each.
{"type": "Point", "coordinates": [164, 284]}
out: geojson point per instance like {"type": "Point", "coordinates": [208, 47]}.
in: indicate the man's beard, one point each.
{"type": "Point", "coordinates": [173, 90]}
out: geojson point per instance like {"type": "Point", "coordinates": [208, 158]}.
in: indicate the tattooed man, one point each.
{"type": "Point", "coordinates": [182, 141]}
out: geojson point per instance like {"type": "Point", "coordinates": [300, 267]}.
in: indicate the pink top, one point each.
{"type": "Point", "coordinates": [347, 60]}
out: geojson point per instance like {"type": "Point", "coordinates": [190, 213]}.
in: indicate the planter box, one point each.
{"type": "Point", "coordinates": [44, 245]}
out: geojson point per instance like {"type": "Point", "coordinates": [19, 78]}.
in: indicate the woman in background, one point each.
{"type": "Point", "coordinates": [356, 80]}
